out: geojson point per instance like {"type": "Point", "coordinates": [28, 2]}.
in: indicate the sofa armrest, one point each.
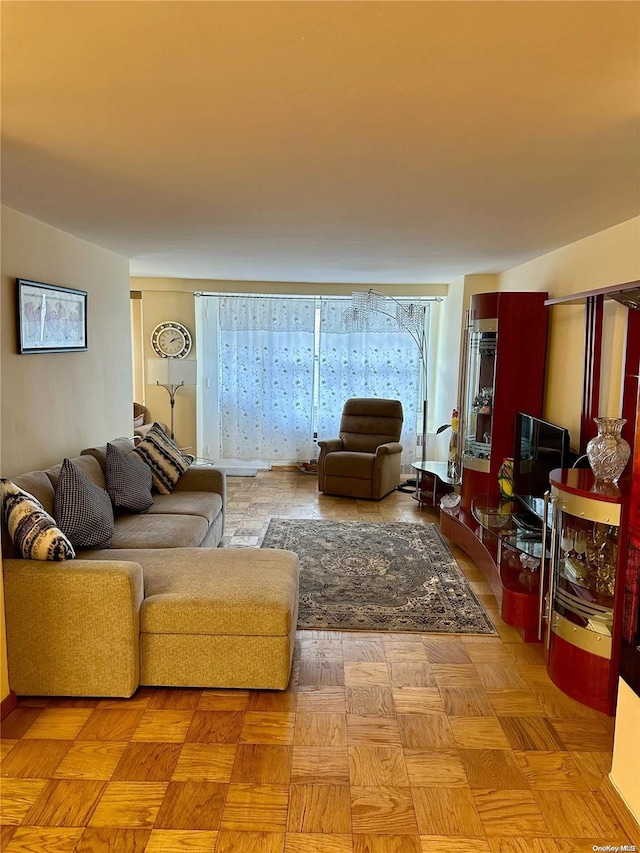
{"type": "Point", "coordinates": [73, 626]}
{"type": "Point", "coordinates": [389, 448]}
{"type": "Point", "coordinates": [331, 445]}
{"type": "Point", "coordinates": [204, 478]}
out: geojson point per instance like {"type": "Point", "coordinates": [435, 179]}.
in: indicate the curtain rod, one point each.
{"type": "Point", "coordinates": [200, 293]}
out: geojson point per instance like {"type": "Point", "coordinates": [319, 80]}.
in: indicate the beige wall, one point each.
{"type": "Point", "coordinates": [55, 404]}
{"type": "Point", "coordinates": [158, 307]}
{"type": "Point", "coordinates": [625, 774]}
{"type": "Point", "coordinates": [607, 258]}
{"type": "Point", "coordinates": [4, 670]}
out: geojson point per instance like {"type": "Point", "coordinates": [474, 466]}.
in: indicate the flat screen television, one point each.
{"type": "Point", "coordinates": [539, 447]}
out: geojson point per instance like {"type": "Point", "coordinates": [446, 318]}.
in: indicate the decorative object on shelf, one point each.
{"type": "Point", "coordinates": [409, 316]}
{"type": "Point", "coordinates": [483, 402]}
{"type": "Point", "coordinates": [450, 500]}
{"type": "Point", "coordinates": [528, 562]}
{"type": "Point", "coordinates": [608, 452]}
{"type": "Point", "coordinates": [453, 456]}
{"type": "Point", "coordinates": [171, 340]}
{"type": "Point", "coordinates": [171, 373]}
{"type": "Point", "coordinates": [453, 460]}
{"type": "Point", "coordinates": [505, 478]}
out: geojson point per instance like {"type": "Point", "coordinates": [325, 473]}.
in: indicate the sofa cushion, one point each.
{"type": "Point", "coordinates": [159, 531]}
{"type": "Point", "coordinates": [90, 468]}
{"type": "Point", "coordinates": [32, 530]}
{"type": "Point", "coordinates": [346, 463]}
{"type": "Point", "coordinates": [82, 509]}
{"type": "Point", "coordinates": [163, 457]}
{"type": "Point", "coordinates": [229, 591]}
{"type": "Point", "coordinates": [124, 444]}
{"type": "Point", "coordinates": [38, 484]}
{"type": "Point", "coordinates": [128, 480]}
{"type": "Point", "coordinates": [204, 504]}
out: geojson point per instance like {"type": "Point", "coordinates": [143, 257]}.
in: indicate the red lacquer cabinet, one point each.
{"type": "Point", "coordinates": [587, 569]}
{"type": "Point", "coordinates": [504, 366]}
{"type": "Point", "coordinates": [504, 373]}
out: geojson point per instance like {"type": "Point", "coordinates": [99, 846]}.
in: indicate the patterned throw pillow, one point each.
{"type": "Point", "coordinates": [128, 480]}
{"type": "Point", "coordinates": [163, 457]}
{"type": "Point", "coordinates": [82, 509]}
{"type": "Point", "coordinates": [32, 530]}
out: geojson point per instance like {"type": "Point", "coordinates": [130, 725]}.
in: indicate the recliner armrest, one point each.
{"type": "Point", "coordinates": [389, 448]}
{"type": "Point", "coordinates": [330, 445]}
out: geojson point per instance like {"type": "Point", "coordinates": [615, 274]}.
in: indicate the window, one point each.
{"type": "Point", "coordinates": [277, 371]}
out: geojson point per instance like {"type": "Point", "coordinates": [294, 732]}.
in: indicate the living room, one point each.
{"type": "Point", "coordinates": [53, 405]}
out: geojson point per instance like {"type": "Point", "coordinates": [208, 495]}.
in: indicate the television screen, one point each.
{"type": "Point", "coordinates": [539, 448]}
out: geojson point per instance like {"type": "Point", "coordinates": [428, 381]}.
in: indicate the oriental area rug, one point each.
{"type": "Point", "coordinates": [376, 576]}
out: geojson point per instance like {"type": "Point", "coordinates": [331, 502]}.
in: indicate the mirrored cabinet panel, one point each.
{"type": "Point", "coordinates": [483, 340]}
{"type": "Point", "coordinates": [504, 359]}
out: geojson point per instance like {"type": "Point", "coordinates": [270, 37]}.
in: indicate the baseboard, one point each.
{"type": "Point", "coordinates": [621, 810]}
{"type": "Point", "coordinates": [8, 704]}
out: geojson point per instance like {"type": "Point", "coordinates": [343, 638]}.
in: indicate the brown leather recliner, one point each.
{"type": "Point", "coordinates": [365, 461]}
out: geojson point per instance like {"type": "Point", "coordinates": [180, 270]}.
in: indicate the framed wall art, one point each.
{"type": "Point", "coordinates": [51, 318]}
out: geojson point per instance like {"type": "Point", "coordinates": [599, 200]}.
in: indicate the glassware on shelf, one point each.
{"type": "Point", "coordinates": [450, 500]}
{"type": "Point", "coordinates": [567, 540]}
{"type": "Point", "coordinates": [530, 563]}
{"type": "Point", "coordinates": [580, 543]}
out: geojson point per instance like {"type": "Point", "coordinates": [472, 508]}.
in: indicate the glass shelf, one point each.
{"type": "Point", "coordinates": [518, 554]}
{"type": "Point", "coordinates": [497, 518]}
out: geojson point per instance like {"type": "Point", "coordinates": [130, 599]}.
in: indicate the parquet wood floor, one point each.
{"type": "Point", "coordinates": [383, 743]}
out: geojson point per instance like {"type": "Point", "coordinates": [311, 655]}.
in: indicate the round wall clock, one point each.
{"type": "Point", "coordinates": [171, 340]}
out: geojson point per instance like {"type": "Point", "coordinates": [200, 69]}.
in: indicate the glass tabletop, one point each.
{"type": "Point", "coordinates": [438, 469]}
{"type": "Point", "coordinates": [498, 517]}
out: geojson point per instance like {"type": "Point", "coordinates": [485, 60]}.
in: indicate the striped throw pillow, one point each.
{"type": "Point", "coordinates": [32, 530]}
{"type": "Point", "coordinates": [163, 457]}
{"type": "Point", "coordinates": [82, 509]}
{"type": "Point", "coordinates": [128, 480]}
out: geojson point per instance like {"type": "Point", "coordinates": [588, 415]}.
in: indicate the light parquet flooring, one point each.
{"type": "Point", "coordinates": [383, 743]}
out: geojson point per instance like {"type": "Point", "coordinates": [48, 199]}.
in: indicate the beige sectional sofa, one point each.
{"type": "Point", "coordinates": [162, 606]}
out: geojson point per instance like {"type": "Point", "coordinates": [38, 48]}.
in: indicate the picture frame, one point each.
{"type": "Point", "coordinates": [50, 318]}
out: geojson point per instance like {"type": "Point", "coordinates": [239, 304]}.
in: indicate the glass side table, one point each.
{"type": "Point", "coordinates": [432, 477]}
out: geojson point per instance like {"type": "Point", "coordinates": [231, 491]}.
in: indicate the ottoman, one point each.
{"type": "Point", "coordinates": [215, 617]}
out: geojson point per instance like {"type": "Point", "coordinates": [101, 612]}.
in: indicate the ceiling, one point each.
{"type": "Point", "coordinates": [370, 142]}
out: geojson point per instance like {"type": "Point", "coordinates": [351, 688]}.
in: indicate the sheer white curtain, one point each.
{"type": "Point", "coordinates": [383, 361]}
{"type": "Point", "coordinates": [266, 377]}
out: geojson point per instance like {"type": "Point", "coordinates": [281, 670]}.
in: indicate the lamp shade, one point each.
{"type": "Point", "coordinates": [171, 371]}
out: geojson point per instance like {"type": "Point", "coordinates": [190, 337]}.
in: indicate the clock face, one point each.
{"type": "Point", "coordinates": [171, 340]}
